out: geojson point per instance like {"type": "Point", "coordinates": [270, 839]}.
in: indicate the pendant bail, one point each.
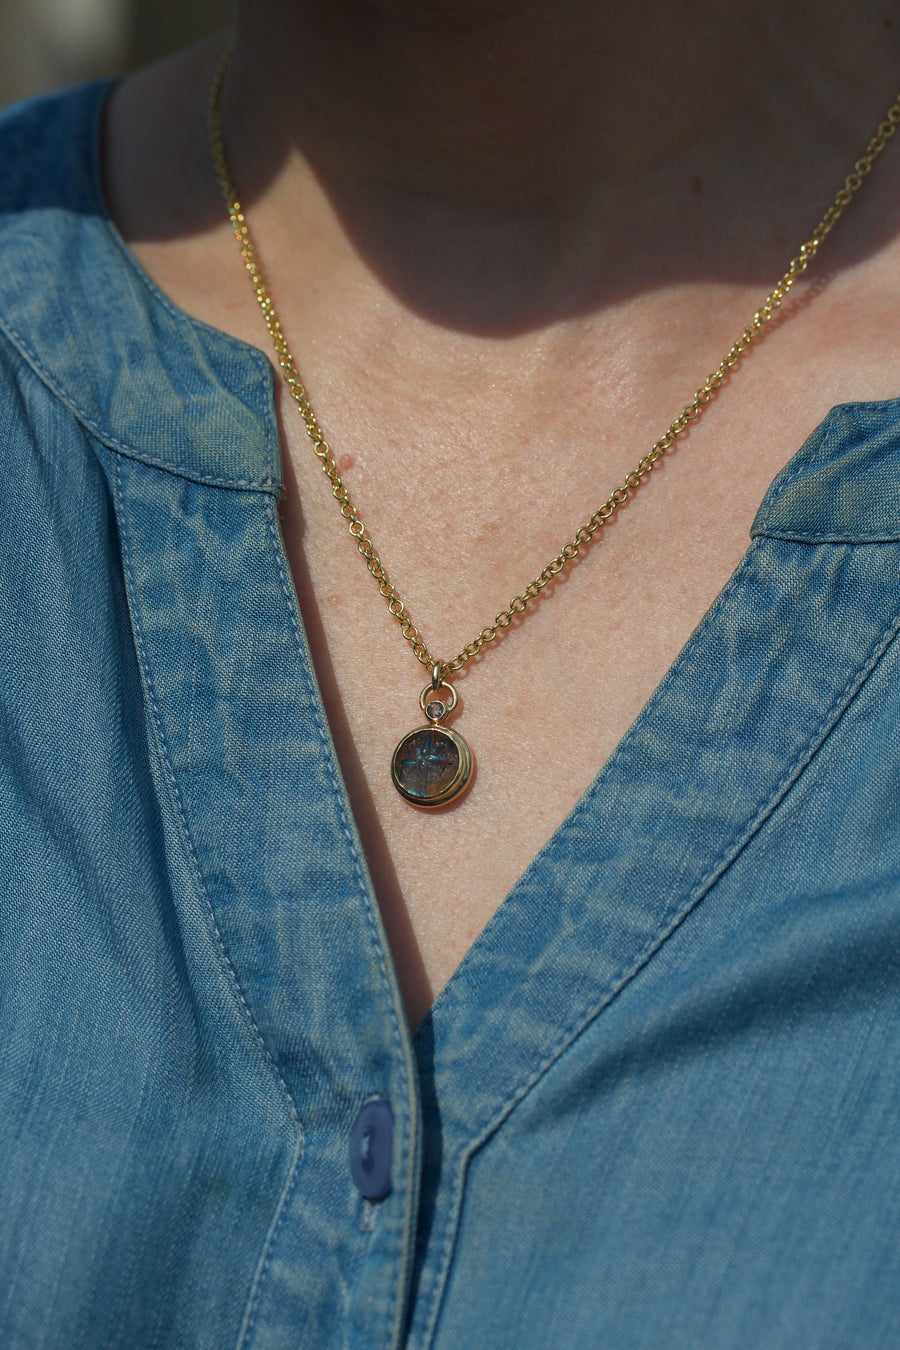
{"type": "Point", "coordinates": [437, 700]}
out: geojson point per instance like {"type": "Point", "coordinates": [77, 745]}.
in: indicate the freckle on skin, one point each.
{"type": "Point", "coordinates": [345, 463]}
{"type": "Point", "coordinates": [697, 184]}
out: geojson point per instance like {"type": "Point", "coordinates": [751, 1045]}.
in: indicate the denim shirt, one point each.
{"type": "Point", "coordinates": [657, 1106]}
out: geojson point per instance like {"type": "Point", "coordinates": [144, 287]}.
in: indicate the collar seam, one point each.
{"type": "Point", "coordinates": [268, 482]}
{"type": "Point", "coordinates": [828, 536]}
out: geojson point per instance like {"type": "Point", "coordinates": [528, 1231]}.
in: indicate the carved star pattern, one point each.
{"type": "Point", "coordinates": [428, 763]}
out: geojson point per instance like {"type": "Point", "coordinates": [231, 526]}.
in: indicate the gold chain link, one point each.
{"type": "Point", "coordinates": [632, 481]}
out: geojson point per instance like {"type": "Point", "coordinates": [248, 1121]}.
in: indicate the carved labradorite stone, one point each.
{"type": "Point", "coordinates": [431, 766]}
{"type": "Point", "coordinates": [427, 763]}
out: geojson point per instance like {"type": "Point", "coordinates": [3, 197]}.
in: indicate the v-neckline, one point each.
{"type": "Point", "coordinates": [515, 914]}
{"type": "Point", "coordinates": [611, 786]}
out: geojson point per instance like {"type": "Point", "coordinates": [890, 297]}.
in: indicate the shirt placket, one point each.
{"type": "Point", "coordinates": [247, 764]}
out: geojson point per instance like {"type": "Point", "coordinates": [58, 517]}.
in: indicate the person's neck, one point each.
{"type": "Point", "coordinates": [515, 104]}
{"type": "Point", "coordinates": [545, 146]}
{"type": "Point", "coordinates": [506, 105]}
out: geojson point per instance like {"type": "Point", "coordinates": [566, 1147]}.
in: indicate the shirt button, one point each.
{"type": "Point", "coordinates": [371, 1144]}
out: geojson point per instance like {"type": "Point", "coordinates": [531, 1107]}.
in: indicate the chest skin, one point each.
{"type": "Point", "coordinates": [544, 708]}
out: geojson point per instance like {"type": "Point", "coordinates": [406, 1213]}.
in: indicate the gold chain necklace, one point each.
{"type": "Point", "coordinates": [432, 765]}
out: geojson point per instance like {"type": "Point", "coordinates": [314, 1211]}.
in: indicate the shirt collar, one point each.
{"type": "Point", "coordinates": [140, 374]}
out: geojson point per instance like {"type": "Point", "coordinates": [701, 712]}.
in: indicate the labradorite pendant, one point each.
{"type": "Point", "coordinates": [433, 764]}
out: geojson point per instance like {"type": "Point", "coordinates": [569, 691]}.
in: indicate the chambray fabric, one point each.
{"type": "Point", "coordinates": [658, 1106]}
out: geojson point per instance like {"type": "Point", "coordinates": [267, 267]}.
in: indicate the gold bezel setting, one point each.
{"type": "Point", "coordinates": [449, 791]}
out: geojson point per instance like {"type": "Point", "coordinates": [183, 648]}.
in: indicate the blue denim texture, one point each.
{"type": "Point", "coordinates": [657, 1107]}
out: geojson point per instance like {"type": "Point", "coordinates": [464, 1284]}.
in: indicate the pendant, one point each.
{"type": "Point", "coordinates": [433, 764]}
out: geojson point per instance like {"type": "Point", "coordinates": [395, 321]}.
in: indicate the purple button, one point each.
{"type": "Point", "coordinates": [371, 1144]}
